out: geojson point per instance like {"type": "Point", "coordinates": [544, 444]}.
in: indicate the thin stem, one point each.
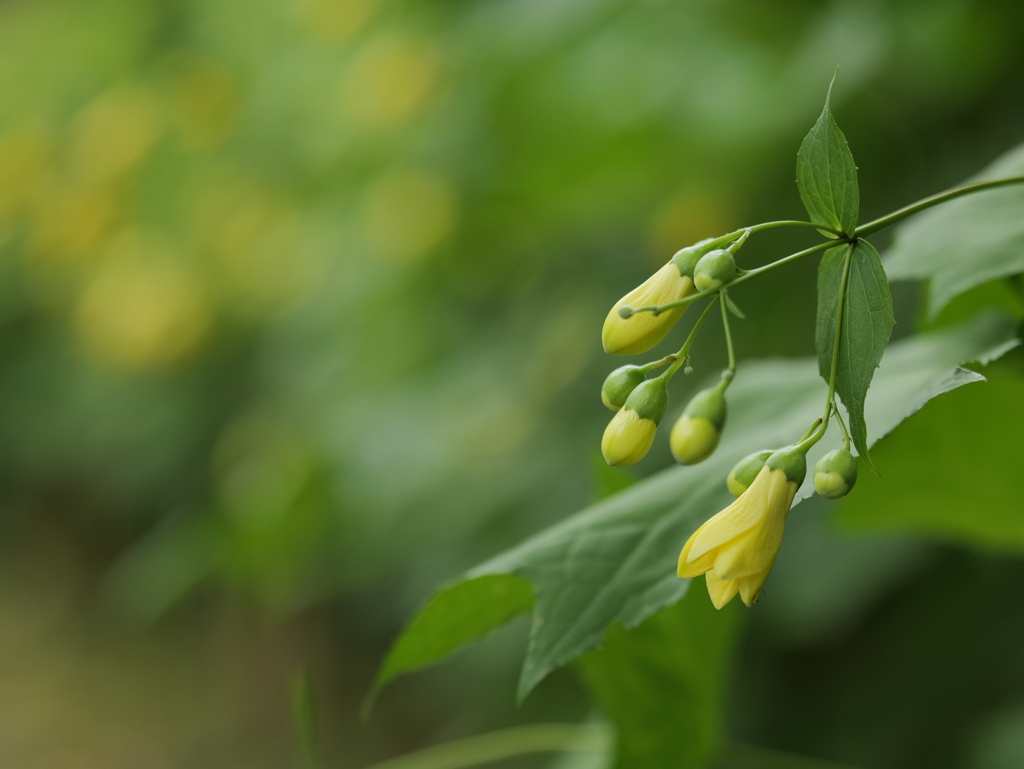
{"type": "Point", "coordinates": [728, 333]}
{"type": "Point", "coordinates": [829, 402]}
{"type": "Point", "coordinates": [967, 189]}
{"type": "Point", "coordinates": [648, 367]}
{"type": "Point", "coordinates": [684, 351]}
{"type": "Point", "coordinates": [658, 309]}
{"type": "Point", "coordinates": [842, 426]}
{"type": "Point", "coordinates": [731, 236]}
{"type": "Point", "coordinates": [810, 430]}
{"type": "Point", "coordinates": [861, 232]}
{"type": "Point", "coordinates": [792, 223]}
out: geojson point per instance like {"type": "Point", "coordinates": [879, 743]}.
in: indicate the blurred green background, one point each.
{"type": "Point", "coordinates": [300, 305]}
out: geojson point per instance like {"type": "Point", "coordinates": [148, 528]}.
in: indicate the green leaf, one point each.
{"type": "Point", "coordinates": [959, 471]}
{"type": "Point", "coordinates": [662, 683]}
{"type": "Point", "coordinates": [458, 614]}
{"type": "Point", "coordinates": [867, 323]}
{"type": "Point", "coordinates": [827, 176]}
{"type": "Point", "coordinates": [967, 241]}
{"type": "Point", "coordinates": [614, 562]}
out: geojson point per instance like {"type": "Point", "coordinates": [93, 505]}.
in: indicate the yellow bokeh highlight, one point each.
{"type": "Point", "coordinates": [72, 223]}
{"type": "Point", "coordinates": [113, 134]}
{"type": "Point", "coordinates": [685, 218]}
{"type": "Point", "coordinates": [142, 309]}
{"type": "Point", "coordinates": [335, 21]}
{"type": "Point", "coordinates": [206, 102]}
{"type": "Point", "coordinates": [406, 213]}
{"type": "Point", "coordinates": [389, 81]}
{"type": "Point", "coordinates": [26, 156]}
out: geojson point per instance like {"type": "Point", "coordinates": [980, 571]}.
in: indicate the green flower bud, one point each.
{"type": "Point", "coordinates": [793, 460]}
{"type": "Point", "coordinates": [619, 384]}
{"type": "Point", "coordinates": [695, 434]}
{"type": "Point", "coordinates": [715, 269]}
{"type": "Point", "coordinates": [745, 471]}
{"type": "Point", "coordinates": [686, 258]}
{"type": "Point", "coordinates": [835, 473]}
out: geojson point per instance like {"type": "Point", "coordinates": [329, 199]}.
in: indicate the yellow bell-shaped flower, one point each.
{"type": "Point", "coordinates": [736, 549]}
{"type": "Point", "coordinates": [641, 331]}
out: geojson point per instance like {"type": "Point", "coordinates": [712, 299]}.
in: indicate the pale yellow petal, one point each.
{"type": "Point", "coordinates": [749, 587]}
{"type": "Point", "coordinates": [754, 552]}
{"type": "Point", "coordinates": [741, 516]}
{"type": "Point", "coordinates": [721, 590]}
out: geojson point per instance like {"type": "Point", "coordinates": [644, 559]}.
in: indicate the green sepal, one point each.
{"type": "Point", "coordinates": [619, 384]}
{"type": "Point", "coordinates": [716, 268]}
{"type": "Point", "coordinates": [708, 404]}
{"type": "Point", "coordinates": [649, 400]}
{"type": "Point", "coordinates": [686, 258]}
{"type": "Point", "coordinates": [792, 460]}
{"type": "Point", "coordinates": [745, 471]}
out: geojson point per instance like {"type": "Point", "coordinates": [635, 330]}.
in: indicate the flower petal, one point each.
{"type": "Point", "coordinates": [721, 590]}
{"type": "Point", "coordinates": [739, 517]}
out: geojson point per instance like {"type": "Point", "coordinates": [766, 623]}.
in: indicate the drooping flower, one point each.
{"type": "Point", "coordinates": [736, 548]}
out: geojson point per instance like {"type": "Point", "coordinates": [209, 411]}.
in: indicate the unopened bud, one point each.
{"type": "Point", "coordinates": [745, 471]}
{"type": "Point", "coordinates": [695, 434]}
{"type": "Point", "coordinates": [627, 332]}
{"type": "Point", "coordinates": [629, 435]}
{"type": "Point", "coordinates": [835, 473]}
{"type": "Point", "coordinates": [619, 384]}
{"type": "Point", "coordinates": [715, 269]}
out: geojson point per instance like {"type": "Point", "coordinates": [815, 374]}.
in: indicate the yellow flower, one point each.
{"type": "Point", "coordinates": [736, 549]}
{"type": "Point", "coordinates": [640, 332]}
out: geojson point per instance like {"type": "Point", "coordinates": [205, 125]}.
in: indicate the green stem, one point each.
{"type": "Point", "coordinates": [728, 334]}
{"type": "Point", "coordinates": [658, 309]}
{"type": "Point", "coordinates": [862, 232]}
{"type": "Point", "coordinates": [842, 426]}
{"type": "Point", "coordinates": [967, 189]}
{"type": "Point", "coordinates": [829, 402]}
{"type": "Point", "coordinates": [648, 367]}
{"type": "Point", "coordinates": [789, 223]}
{"type": "Point", "coordinates": [505, 743]}
{"type": "Point", "coordinates": [684, 351]}
{"type": "Point", "coordinates": [746, 231]}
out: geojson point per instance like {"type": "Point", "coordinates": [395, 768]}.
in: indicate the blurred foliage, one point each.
{"type": "Point", "coordinates": [299, 305]}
